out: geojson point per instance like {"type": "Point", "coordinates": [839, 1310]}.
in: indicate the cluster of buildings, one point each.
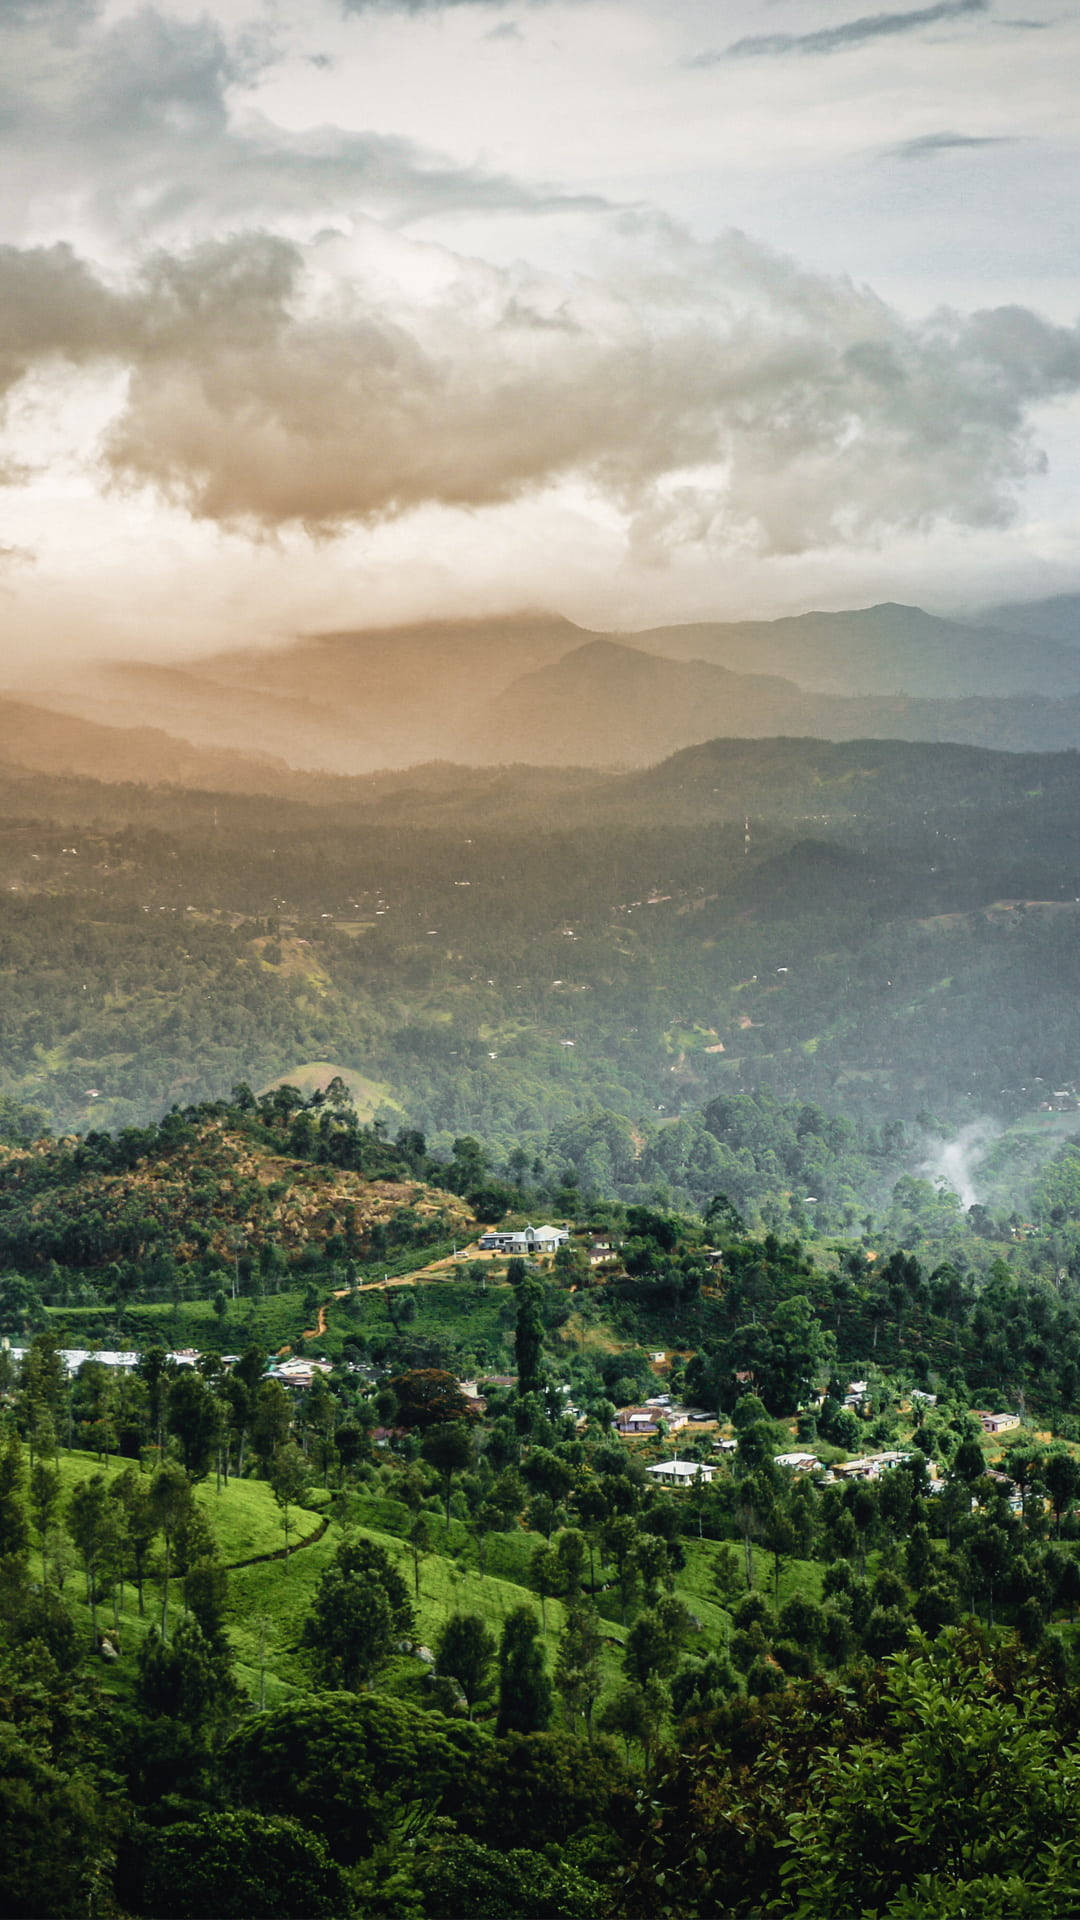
{"type": "Point", "coordinates": [298, 1373]}
{"type": "Point", "coordinates": [869, 1466]}
{"type": "Point", "coordinates": [1062, 1100]}
{"type": "Point", "coordinates": [530, 1242]}
{"type": "Point", "coordinates": [646, 1419]}
{"type": "Point", "coordinates": [660, 1414]}
{"type": "Point", "coordinates": [120, 1359]}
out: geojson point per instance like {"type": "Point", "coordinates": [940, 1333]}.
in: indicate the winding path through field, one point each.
{"type": "Point", "coordinates": [436, 1269]}
{"type": "Point", "coordinates": [281, 1553]}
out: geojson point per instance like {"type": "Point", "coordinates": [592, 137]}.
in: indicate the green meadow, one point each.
{"type": "Point", "coordinates": [268, 1601]}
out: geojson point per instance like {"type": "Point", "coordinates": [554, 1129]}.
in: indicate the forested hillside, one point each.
{"type": "Point", "coordinates": [886, 931]}
{"type": "Point", "coordinates": [339, 1580]}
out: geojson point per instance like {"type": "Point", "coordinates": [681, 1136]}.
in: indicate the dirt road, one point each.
{"type": "Point", "coordinates": [435, 1270]}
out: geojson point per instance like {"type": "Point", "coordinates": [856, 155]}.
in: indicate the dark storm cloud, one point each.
{"type": "Point", "coordinates": [850, 33]}
{"type": "Point", "coordinates": [926, 145]}
{"type": "Point", "coordinates": [723, 389]}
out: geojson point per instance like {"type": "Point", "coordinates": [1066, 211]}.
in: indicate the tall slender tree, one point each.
{"type": "Point", "coordinates": [578, 1673]}
{"type": "Point", "coordinates": [171, 1501]}
{"type": "Point", "coordinates": [88, 1525]}
{"type": "Point", "coordinates": [464, 1652]}
{"type": "Point", "coordinates": [525, 1697]}
{"type": "Point", "coordinates": [529, 1337]}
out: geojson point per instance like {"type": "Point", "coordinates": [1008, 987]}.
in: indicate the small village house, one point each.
{"type": "Point", "coordinates": [680, 1473]}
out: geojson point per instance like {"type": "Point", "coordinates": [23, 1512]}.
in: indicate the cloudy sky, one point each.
{"type": "Point", "coordinates": [327, 312]}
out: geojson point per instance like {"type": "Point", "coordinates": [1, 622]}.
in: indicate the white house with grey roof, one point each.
{"type": "Point", "coordinates": [681, 1473]}
{"type": "Point", "coordinates": [526, 1240]}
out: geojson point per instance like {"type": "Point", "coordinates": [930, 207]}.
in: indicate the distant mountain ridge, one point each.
{"type": "Point", "coordinates": [886, 649]}
{"type": "Point", "coordinates": [348, 703]}
{"type": "Point", "coordinates": [44, 741]}
{"type": "Point", "coordinates": [533, 687]}
{"type": "Point", "coordinates": [1057, 618]}
{"type": "Point", "coordinates": [606, 704]}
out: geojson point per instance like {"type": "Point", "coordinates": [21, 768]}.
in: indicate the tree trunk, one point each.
{"type": "Point", "coordinates": [748, 1557]}
{"type": "Point", "coordinates": [91, 1595]}
{"type": "Point", "coordinates": [165, 1597]}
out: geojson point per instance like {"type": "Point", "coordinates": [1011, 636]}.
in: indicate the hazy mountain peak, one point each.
{"type": "Point", "coordinates": [353, 701]}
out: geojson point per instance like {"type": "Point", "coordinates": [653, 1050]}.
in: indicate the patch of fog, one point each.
{"type": "Point", "coordinates": [957, 1161]}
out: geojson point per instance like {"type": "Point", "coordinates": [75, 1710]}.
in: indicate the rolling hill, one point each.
{"type": "Point", "coordinates": [48, 742]}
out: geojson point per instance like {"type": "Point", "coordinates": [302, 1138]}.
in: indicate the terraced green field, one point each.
{"type": "Point", "coordinates": [268, 1601]}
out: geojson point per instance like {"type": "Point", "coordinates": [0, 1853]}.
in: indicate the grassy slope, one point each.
{"type": "Point", "coordinates": [279, 1318]}
{"type": "Point", "coordinates": [245, 1520]}
{"type": "Point", "coordinates": [273, 1597]}
{"type": "Point", "coordinates": [315, 1075]}
{"type": "Point", "coordinates": [450, 1307]}
{"type": "Point", "coordinates": [269, 1322]}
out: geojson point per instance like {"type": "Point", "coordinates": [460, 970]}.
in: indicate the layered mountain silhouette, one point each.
{"type": "Point", "coordinates": [1055, 619]}
{"type": "Point", "coordinates": [534, 688]}
{"type": "Point", "coordinates": [41, 741]}
{"type": "Point", "coordinates": [606, 704]}
{"type": "Point", "coordinates": [339, 702]}
{"type": "Point", "coordinates": [887, 649]}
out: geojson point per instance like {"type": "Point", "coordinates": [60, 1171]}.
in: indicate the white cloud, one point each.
{"type": "Point", "coordinates": [263, 393]}
{"type": "Point", "coordinates": [298, 271]}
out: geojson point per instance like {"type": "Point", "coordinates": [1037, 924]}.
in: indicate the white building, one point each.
{"type": "Point", "coordinates": [681, 1473]}
{"type": "Point", "coordinates": [298, 1373]}
{"type": "Point", "coordinates": [74, 1357]}
{"type": "Point", "coordinates": [527, 1240]}
{"type": "Point", "coordinates": [997, 1422]}
{"type": "Point", "coordinates": [870, 1466]}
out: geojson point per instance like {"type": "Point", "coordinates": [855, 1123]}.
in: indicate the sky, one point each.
{"type": "Point", "coordinates": [328, 313]}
